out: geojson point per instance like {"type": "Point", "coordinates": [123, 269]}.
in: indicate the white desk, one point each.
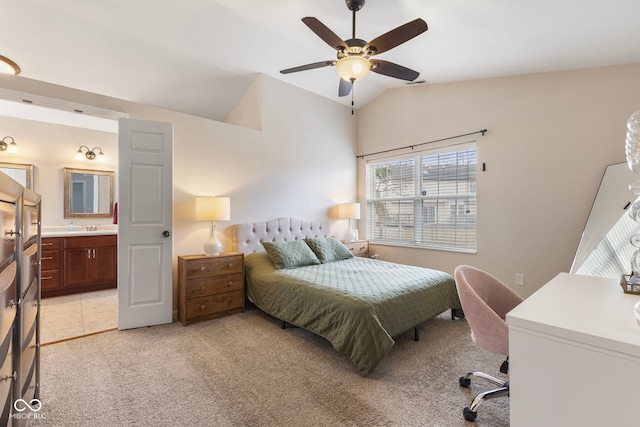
{"type": "Point", "coordinates": [574, 355]}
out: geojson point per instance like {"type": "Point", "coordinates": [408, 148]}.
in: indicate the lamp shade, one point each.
{"type": "Point", "coordinates": [349, 211]}
{"type": "Point", "coordinates": [353, 68]}
{"type": "Point", "coordinates": [213, 209]}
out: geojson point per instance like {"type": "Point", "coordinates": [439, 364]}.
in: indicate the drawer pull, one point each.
{"type": "Point", "coordinates": [47, 257]}
{"type": "Point", "coordinates": [46, 244]}
{"type": "Point", "coordinates": [230, 283]}
{"type": "Point", "coordinates": [230, 265]}
{"type": "Point", "coordinates": [202, 307]}
{"type": "Point", "coordinates": [10, 377]}
{"type": "Point", "coordinates": [46, 278]}
{"type": "Point", "coordinates": [202, 268]}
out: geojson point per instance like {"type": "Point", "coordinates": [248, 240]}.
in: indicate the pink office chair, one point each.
{"type": "Point", "coordinates": [485, 302]}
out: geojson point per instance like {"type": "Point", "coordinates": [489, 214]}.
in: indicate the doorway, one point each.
{"type": "Point", "coordinates": [78, 315]}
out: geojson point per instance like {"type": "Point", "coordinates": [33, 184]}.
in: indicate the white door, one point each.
{"type": "Point", "coordinates": [145, 193]}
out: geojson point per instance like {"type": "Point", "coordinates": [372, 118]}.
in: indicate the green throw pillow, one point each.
{"type": "Point", "coordinates": [290, 254]}
{"type": "Point", "coordinates": [328, 249]}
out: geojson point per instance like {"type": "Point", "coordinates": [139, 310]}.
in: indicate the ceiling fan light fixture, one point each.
{"type": "Point", "coordinates": [7, 66]}
{"type": "Point", "coordinates": [353, 68]}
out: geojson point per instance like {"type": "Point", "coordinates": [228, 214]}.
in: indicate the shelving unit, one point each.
{"type": "Point", "coordinates": [20, 247]}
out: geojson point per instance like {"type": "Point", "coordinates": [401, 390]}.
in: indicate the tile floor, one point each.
{"type": "Point", "coordinates": [73, 316]}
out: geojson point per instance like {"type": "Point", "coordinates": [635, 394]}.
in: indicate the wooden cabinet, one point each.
{"type": "Point", "coordinates": [210, 286]}
{"type": "Point", "coordinates": [79, 264]}
{"type": "Point", "coordinates": [90, 260]}
{"type": "Point", "coordinates": [50, 263]}
{"type": "Point", "coordinates": [358, 248]}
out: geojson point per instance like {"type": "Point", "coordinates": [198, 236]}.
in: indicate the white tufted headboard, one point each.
{"type": "Point", "coordinates": [247, 237]}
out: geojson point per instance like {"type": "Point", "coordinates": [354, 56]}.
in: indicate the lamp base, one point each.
{"type": "Point", "coordinates": [350, 235]}
{"type": "Point", "coordinates": [212, 246]}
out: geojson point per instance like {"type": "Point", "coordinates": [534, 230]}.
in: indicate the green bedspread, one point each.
{"type": "Point", "coordinates": [358, 304]}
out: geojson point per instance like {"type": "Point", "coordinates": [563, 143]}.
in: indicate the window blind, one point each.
{"type": "Point", "coordinates": [426, 199]}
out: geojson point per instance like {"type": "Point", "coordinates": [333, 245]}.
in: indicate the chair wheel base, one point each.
{"type": "Point", "coordinates": [469, 415]}
{"type": "Point", "coordinates": [465, 382]}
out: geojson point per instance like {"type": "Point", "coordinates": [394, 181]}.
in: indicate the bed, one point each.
{"type": "Point", "coordinates": [295, 272]}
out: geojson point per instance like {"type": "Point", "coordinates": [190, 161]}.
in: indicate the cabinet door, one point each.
{"type": "Point", "coordinates": [105, 264]}
{"type": "Point", "coordinates": [77, 267]}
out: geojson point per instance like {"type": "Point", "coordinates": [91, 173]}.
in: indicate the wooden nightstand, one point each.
{"type": "Point", "coordinates": [358, 248]}
{"type": "Point", "coordinates": [210, 286]}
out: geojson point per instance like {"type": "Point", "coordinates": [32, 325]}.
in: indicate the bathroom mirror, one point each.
{"type": "Point", "coordinates": [88, 193]}
{"type": "Point", "coordinates": [19, 172]}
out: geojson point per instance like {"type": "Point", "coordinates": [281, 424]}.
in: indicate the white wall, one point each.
{"type": "Point", "coordinates": [50, 148]}
{"type": "Point", "coordinates": [301, 164]}
{"type": "Point", "coordinates": [550, 137]}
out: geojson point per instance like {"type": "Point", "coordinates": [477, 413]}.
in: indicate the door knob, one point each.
{"type": "Point", "coordinates": [166, 233]}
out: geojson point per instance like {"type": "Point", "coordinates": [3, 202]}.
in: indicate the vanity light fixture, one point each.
{"type": "Point", "coordinates": [7, 66]}
{"type": "Point", "coordinates": [10, 147]}
{"type": "Point", "coordinates": [90, 154]}
{"type": "Point", "coordinates": [213, 209]}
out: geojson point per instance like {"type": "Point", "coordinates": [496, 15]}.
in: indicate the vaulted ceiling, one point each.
{"type": "Point", "coordinates": [200, 56]}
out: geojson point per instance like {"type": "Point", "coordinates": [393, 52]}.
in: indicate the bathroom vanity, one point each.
{"type": "Point", "coordinates": [79, 261]}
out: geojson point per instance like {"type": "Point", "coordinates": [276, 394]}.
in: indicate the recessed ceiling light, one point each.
{"type": "Point", "coordinates": [7, 66]}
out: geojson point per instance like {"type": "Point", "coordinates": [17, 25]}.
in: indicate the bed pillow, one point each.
{"type": "Point", "coordinates": [328, 249]}
{"type": "Point", "coordinates": [290, 254]}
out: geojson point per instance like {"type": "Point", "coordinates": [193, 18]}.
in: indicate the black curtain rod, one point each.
{"type": "Point", "coordinates": [362, 156]}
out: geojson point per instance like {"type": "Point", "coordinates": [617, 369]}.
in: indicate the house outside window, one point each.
{"type": "Point", "coordinates": [424, 200]}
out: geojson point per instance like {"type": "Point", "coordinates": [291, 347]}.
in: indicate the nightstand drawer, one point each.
{"type": "Point", "coordinates": [210, 286]}
{"type": "Point", "coordinates": [215, 304]}
{"type": "Point", "coordinates": [359, 248]}
{"type": "Point", "coordinates": [211, 266]}
{"type": "Point", "coordinates": [214, 285]}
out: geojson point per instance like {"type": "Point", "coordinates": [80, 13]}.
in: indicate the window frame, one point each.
{"type": "Point", "coordinates": [454, 232]}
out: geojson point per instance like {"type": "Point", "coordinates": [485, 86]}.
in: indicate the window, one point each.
{"type": "Point", "coordinates": [425, 200]}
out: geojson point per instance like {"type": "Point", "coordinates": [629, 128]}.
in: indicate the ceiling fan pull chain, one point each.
{"type": "Point", "coordinates": [352, 102]}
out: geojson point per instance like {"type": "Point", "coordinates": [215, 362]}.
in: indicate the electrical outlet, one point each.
{"type": "Point", "coordinates": [519, 279]}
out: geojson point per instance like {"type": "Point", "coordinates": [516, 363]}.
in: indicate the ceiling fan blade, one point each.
{"type": "Point", "coordinates": [325, 33]}
{"type": "Point", "coordinates": [344, 88]}
{"type": "Point", "coordinates": [396, 36]}
{"type": "Point", "coordinates": [309, 67]}
{"type": "Point", "coordinates": [393, 70]}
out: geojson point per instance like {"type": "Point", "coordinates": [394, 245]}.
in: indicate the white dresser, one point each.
{"type": "Point", "coordinates": [574, 353]}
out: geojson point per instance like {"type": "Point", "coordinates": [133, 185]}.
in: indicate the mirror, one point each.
{"type": "Point", "coordinates": [19, 172]}
{"type": "Point", "coordinates": [604, 249]}
{"type": "Point", "coordinates": [88, 193]}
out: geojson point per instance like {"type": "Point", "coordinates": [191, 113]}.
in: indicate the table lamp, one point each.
{"type": "Point", "coordinates": [213, 209]}
{"type": "Point", "coordinates": [349, 211]}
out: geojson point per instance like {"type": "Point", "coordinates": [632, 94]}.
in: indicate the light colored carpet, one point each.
{"type": "Point", "coordinates": [244, 370]}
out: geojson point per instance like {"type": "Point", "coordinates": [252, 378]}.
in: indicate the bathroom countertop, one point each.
{"type": "Point", "coordinates": [63, 231]}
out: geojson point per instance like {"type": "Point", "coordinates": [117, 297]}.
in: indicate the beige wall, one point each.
{"type": "Point", "coordinates": [550, 137]}
{"type": "Point", "coordinates": [50, 148]}
{"type": "Point", "coordinates": [301, 163]}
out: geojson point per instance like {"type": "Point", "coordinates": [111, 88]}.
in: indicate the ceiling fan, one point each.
{"type": "Point", "coordinates": [354, 54]}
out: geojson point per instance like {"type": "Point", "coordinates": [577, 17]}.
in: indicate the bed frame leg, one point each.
{"type": "Point", "coordinates": [416, 334]}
